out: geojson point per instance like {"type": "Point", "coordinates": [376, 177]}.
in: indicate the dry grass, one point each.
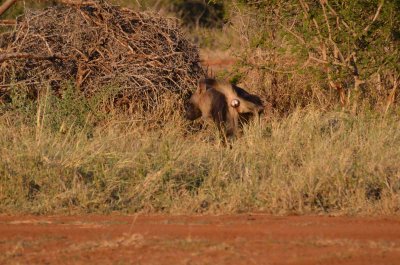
{"type": "Point", "coordinates": [308, 162]}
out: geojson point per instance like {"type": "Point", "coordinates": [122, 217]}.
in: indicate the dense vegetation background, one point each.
{"type": "Point", "coordinates": [297, 52]}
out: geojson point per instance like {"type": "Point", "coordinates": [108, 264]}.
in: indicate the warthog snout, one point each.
{"type": "Point", "coordinates": [192, 111]}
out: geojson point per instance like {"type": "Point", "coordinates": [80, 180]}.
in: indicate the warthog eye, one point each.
{"type": "Point", "coordinates": [235, 103]}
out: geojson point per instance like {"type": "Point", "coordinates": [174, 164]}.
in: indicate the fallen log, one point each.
{"type": "Point", "coordinates": [8, 22]}
{"type": "Point", "coordinates": [6, 5]}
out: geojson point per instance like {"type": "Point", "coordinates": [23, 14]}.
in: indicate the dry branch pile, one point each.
{"type": "Point", "coordinates": [97, 45]}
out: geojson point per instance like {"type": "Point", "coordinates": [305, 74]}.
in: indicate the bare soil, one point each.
{"type": "Point", "coordinates": [235, 239]}
{"type": "Point", "coordinates": [217, 61]}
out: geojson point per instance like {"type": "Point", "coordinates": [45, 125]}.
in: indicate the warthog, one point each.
{"type": "Point", "coordinates": [226, 104]}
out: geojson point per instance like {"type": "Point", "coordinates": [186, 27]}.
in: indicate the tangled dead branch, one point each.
{"type": "Point", "coordinates": [97, 45]}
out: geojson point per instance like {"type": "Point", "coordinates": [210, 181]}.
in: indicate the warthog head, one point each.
{"type": "Point", "coordinates": [224, 103]}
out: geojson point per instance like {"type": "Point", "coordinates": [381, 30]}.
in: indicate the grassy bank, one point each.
{"type": "Point", "coordinates": [309, 162]}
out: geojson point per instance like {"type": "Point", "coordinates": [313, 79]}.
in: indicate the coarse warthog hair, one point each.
{"type": "Point", "coordinates": [226, 104]}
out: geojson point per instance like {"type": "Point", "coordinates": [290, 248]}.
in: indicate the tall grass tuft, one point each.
{"type": "Point", "coordinates": [69, 161]}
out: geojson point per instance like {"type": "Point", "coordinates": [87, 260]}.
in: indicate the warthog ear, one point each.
{"type": "Point", "coordinates": [202, 87]}
{"type": "Point", "coordinates": [235, 103]}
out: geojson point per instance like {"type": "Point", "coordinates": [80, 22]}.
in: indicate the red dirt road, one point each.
{"type": "Point", "coordinates": [239, 239]}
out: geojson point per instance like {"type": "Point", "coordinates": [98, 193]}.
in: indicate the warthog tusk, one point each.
{"type": "Point", "coordinates": [235, 103]}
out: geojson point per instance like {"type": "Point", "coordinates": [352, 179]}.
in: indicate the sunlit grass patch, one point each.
{"type": "Point", "coordinates": [308, 162]}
